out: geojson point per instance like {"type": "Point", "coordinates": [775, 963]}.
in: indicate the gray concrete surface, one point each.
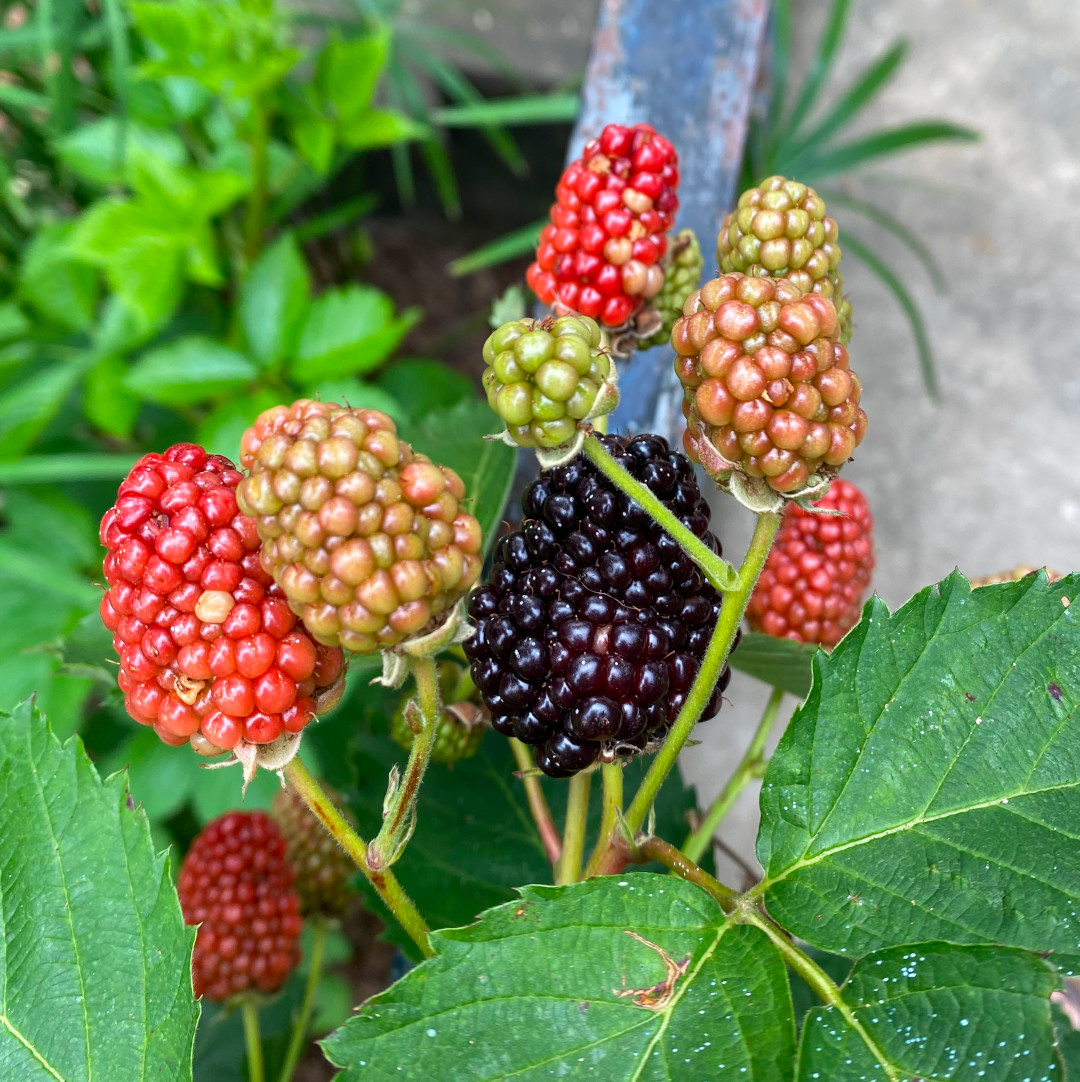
{"type": "Point", "coordinates": [990, 477]}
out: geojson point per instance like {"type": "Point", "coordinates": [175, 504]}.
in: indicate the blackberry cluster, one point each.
{"type": "Point", "coordinates": [593, 623]}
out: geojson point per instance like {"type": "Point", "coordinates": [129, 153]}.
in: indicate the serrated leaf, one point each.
{"type": "Point", "coordinates": [783, 663]}
{"type": "Point", "coordinates": [548, 984]}
{"type": "Point", "coordinates": [929, 786]}
{"type": "Point", "coordinates": [479, 798]}
{"type": "Point", "coordinates": [938, 1011]}
{"type": "Point", "coordinates": [454, 438]}
{"type": "Point", "coordinates": [348, 332]}
{"type": "Point", "coordinates": [53, 283]}
{"type": "Point", "coordinates": [348, 71]}
{"type": "Point", "coordinates": [273, 299]}
{"type": "Point", "coordinates": [96, 964]}
{"type": "Point", "coordinates": [189, 370]}
{"type": "Point", "coordinates": [101, 151]}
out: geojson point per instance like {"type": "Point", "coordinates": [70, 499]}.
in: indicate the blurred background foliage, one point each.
{"type": "Point", "coordinates": [206, 208]}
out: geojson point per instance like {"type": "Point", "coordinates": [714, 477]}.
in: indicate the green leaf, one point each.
{"type": "Point", "coordinates": [551, 980]}
{"type": "Point", "coordinates": [454, 438]}
{"type": "Point", "coordinates": [273, 300]}
{"type": "Point", "coordinates": [348, 71]}
{"type": "Point", "coordinates": [189, 370]}
{"type": "Point", "coordinates": [93, 927]}
{"type": "Point", "coordinates": [348, 331]}
{"type": "Point", "coordinates": [102, 151]}
{"type": "Point", "coordinates": [940, 1011]}
{"type": "Point", "coordinates": [314, 137]}
{"type": "Point", "coordinates": [46, 469]}
{"type": "Point", "coordinates": [107, 403]}
{"type": "Point", "coordinates": [783, 663]}
{"type": "Point", "coordinates": [501, 250]}
{"type": "Point", "coordinates": [820, 162]}
{"type": "Point", "coordinates": [379, 128]}
{"type": "Point", "coordinates": [526, 109]}
{"type": "Point", "coordinates": [53, 283]}
{"type": "Point", "coordinates": [221, 431]}
{"type": "Point", "coordinates": [28, 406]}
{"type": "Point", "coordinates": [479, 798]}
{"type": "Point", "coordinates": [13, 324]}
{"type": "Point", "coordinates": [338, 217]}
{"type": "Point", "coordinates": [425, 386]}
{"type": "Point", "coordinates": [929, 786]}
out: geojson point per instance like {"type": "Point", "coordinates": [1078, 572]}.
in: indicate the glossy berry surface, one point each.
{"type": "Point", "coordinates": [592, 624]}
{"type": "Point", "coordinates": [368, 539]}
{"type": "Point", "coordinates": [682, 273]}
{"type": "Point", "coordinates": [780, 229]}
{"type": "Point", "coordinates": [812, 586]}
{"type": "Point", "coordinates": [544, 376]}
{"type": "Point", "coordinates": [600, 255]}
{"type": "Point", "coordinates": [209, 650]}
{"type": "Point", "coordinates": [321, 866]}
{"type": "Point", "coordinates": [236, 884]}
{"type": "Point", "coordinates": [768, 390]}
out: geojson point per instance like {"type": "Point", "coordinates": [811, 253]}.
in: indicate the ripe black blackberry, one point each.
{"type": "Point", "coordinates": [593, 622]}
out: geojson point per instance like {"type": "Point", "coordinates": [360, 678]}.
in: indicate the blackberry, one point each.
{"type": "Point", "coordinates": [461, 723]}
{"type": "Point", "coordinates": [682, 272]}
{"type": "Point", "coordinates": [593, 622]}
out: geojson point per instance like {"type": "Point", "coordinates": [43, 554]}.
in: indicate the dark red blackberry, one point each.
{"type": "Point", "coordinates": [593, 621]}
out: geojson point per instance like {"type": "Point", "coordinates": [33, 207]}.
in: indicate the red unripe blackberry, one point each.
{"type": "Point", "coordinates": [367, 538]}
{"type": "Point", "coordinates": [768, 390]}
{"type": "Point", "coordinates": [593, 622]}
{"type": "Point", "coordinates": [812, 585]}
{"type": "Point", "coordinates": [600, 255]}
{"type": "Point", "coordinates": [322, 868]}
{"type": "Point", "coordinates": [237, 886]}
{"type": "Point", "coordinates": [209, 651]}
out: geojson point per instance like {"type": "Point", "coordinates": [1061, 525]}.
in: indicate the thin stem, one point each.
{"type": "Point", "coordinates": [382, 879]}
{"type": "Point", "coordinates": [701, 690]}
{"type": "Point", "coordinates": [538, 805]}
{"type": "Point", "coordinates": [577, 814]}
{"type": "Point", "coordinates": [250, 1013]}
{"type": "Point", "coordinates": [752, 766]}
{"type": "Point", "coordinates": [612, 776]}
{"type": "Point", "coordinates": [716, 570]}
{"type": "Point", "coordinates": [398, 817]}
{"type": "Point", "coordinates": [300, 1029]}
{"type": "Point", "coordinates": [822, 984]}
{"type": "Point", "coordinates": [255, 222]}
{"type": "Point", "coordinates": [652, 848]}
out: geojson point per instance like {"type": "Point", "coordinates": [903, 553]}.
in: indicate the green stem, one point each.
{"type": "Point", "coordinates": [612, 776]}
{"type": "Point", "coordinates": [253, 1041]}
{"type": "Point", "coordinates": [752, 766]}
{"type": "Point", "coordinates": [298, 1037]}
{"type": "Point", "coordinates": [716, 570]}
{"type": "Point", "coordinates": [255, 222]}
{"type": "Point", "coordinates": [400, 813]}
{"type": "Point", "coordinates": [822, 984]}
{"type": "Point", "coordinates": [382, 879]}
{"type": "Point", "coordinates": [652, 848]}
{"type": "Point", "coordinates": [538, 805]}
{"type": "Point", "coordinates": [577, 814]}
{"type": "Point", "coordinates": [716, 653]}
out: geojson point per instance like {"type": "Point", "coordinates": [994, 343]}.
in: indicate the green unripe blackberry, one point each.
{"type": "Point", "coordinates": [322, 868]}
{"type": "Point", "coordinates": [682, 272]}
{"type": "Point", "coordinates": [461, 723]}
{"type": "Point", "coordinates": [780, 230]}
{"type": "Point", "coordinates": [544, 376]}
